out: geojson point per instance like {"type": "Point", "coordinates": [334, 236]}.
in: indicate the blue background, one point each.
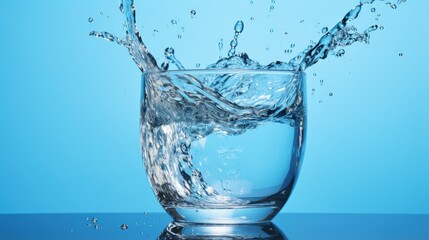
{"type": "Point", "coordinates": [69, 103]}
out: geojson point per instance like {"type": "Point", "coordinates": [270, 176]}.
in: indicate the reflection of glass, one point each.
{"type": "Point", "coordinates": [175, 231]}
{"type": "Point", "coordinates": [222, 146]}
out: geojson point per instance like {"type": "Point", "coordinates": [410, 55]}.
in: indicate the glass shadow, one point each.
{"type": "Point", "coordinates": [176, 231]}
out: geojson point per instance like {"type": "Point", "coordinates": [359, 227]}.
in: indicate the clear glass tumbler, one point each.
{"type": "Point", "coordinates": [223, 146]}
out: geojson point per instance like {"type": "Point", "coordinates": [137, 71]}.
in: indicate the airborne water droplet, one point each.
{"type": "Point", "coordinates": [271, 30]}
{"type": "Point", "coordinates": [301, 21]}
{"type": "Point", "coordinates": [381, 28]}
{"type": "Point", "coordinates": [292, 45]}
{"type": "Point", "coordinates": [340, 53]}
{"type": "Point", "coordinates": [90, 19]}
{"type": "Point", "coordinates": [239, 26]}
{"type": "Point", "coordinates": [179, 36]}
{"type": "Point", "coordinates": [372, 9]}
{"type": "Point", "coordinates": [324, 30]}
{"type": "Point", "coordinates": [193, 12]}
{"type": "Point", "coordinates": [124, 227]}
{"type": "Point", "coordinates": [252, 18]}
{"type": "Point", "coordinates": [400, 54]}
{"type": "Point", "coordinates": [331, 94]}
{"type": "Point", "coordinates": [271, 8]}
{"type": "Point", "coordinates": [94, 220]}
{"type": "Point", "coordinates": [174, 22]}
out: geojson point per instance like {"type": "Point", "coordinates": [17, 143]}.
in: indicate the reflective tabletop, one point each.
{"type": "Point", "coordinates": [160, 226]}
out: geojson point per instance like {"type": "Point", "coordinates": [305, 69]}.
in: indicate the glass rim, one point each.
{"type": "Point", "coordinates": [226, 71]}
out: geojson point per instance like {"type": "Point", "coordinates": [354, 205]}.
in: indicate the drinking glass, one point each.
{"type": "Point", "coordinates": [223, 146]}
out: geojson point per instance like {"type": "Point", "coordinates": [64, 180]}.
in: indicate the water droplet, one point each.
{"type": "Point", "coordinates": [193, 12]}
{"type": "Point", "coordinates": [271, 8]}
{"type": "Point", "coordinates": [155, 30]}
{"type": "Point", "coordinates": [381, 28]}
{"type": "Point", "coordinates": [288, 51]}
{"type": "Point", "coordinates": [220, 44]}
{"type": "Point", "coordinates": [267, 49]}
{"type": "Point", "coordinates": [183, 29]}
{"type": "Point", "coordinates": [313, 89]}
{"type": "Point", "coordinates": [251, 2]}
{"type": "Point", "coordinates": [169, 51]}
{"type": "Point", "coordinates": [340, 53]}
{"type": "Point", "coordinates": [94, 220]}
{"type": "Point", "coordinates": [239, 26]}
{"type": "Point", "coordinates": [101, 13]}
{"type": "Point", "coordinates": [372, 9]}
{"type": "Point", "coordinates": [124, 227]}
{"type": "Point", "coordinates": [271, 30]}
{"type": "Point", "coordinates": [321, 81]}
{"type": "Point", "coordinates": [90, 19]}
{"type": "Point", "coordinates": [392, 5]}
{"type": "Point", "coordinates": [320, 101]}
{"type": "Point", "coordinates": [378, 15]}
{"type": "Point", "coordinates": [252, 18]}
{"type": "Point", "coordinates": [179, 36]}
{"type": "Point", "coordinates": [164, 67]}
{"type": "Point", "coordinates": [314, 74]}
{"type": "Point", "coordinates": [197, 65]}
{"type": "Point", "coordinates": [174, 22]}
{"type": "Point", "coordinates": [301, 21]}
{"type": "Point", "coordinates": [273, 1]}
{"type": "Point", "coordinates": [88, 224]}
{"type": "Point", "coordinates": [324, 30]}
{"type": "Point", "coordinates": [331, 94]}
{"type": "Point", "coordinates": [285, 33]}
{"type": "Point", "coordinates": [400, 54]}
{"type": "Point", "coordinates": [144, 213]}
{"type": "Point", "coordinates": [292, 45]}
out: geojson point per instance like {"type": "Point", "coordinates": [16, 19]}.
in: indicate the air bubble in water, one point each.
{"type": "Point", "coordinates": [96, 227]}
{"type": "Point", "coordinates": [314, 74]}
{"type": "Point", "coordinates": [324, 30]}
{"type": "Point", "coordinates": [174, 22]}
{"type": "Point", "coordinates": [292, 45]}
{"type": "Point", "coordinates": [381, 28]}
{"type": "Point", "coordinates": [101, 13]}
{"type": "Point", "coordinates": [124, 227]}
{"type": "Point", "coordinates": [193, 13]}
{"type": "Point", "coordinates": [372, 9]}
{"type": "Point", "coordinates": [94, 220]}
{"type": "Point", "coordinates": [400, 54]}
{"type": "Point", "coordinates": [320, 101]}
{"type": "Point", "coordinates": [288, 51]}
{"type": "Point", "coordinates": [90, 19]}
{"type": "Point", "coordinates": [271, 30]}
{"type": "Point", "coordinates": [252, 18]}
{"type": "Point", "coordinates": [301, 21]}
{"type": "Point", "coordinates": [271, 8]}
{"type": "Point", "coordinates": [321, 81]}
{"type": "Point", "coordinates": [273, 1]}
{"type": "Point", "coordinates": [331, 94]}
{"type": "Point", "coordinates": [179, 36]}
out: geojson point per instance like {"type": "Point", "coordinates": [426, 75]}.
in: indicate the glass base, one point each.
{"type": "Point", "coordinates": [225, 215]}
{"type": "Point", "coordinates": [267, 231]}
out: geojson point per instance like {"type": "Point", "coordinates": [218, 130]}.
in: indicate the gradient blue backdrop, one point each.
{"type": "Point", "coordinates": [69, 103]}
